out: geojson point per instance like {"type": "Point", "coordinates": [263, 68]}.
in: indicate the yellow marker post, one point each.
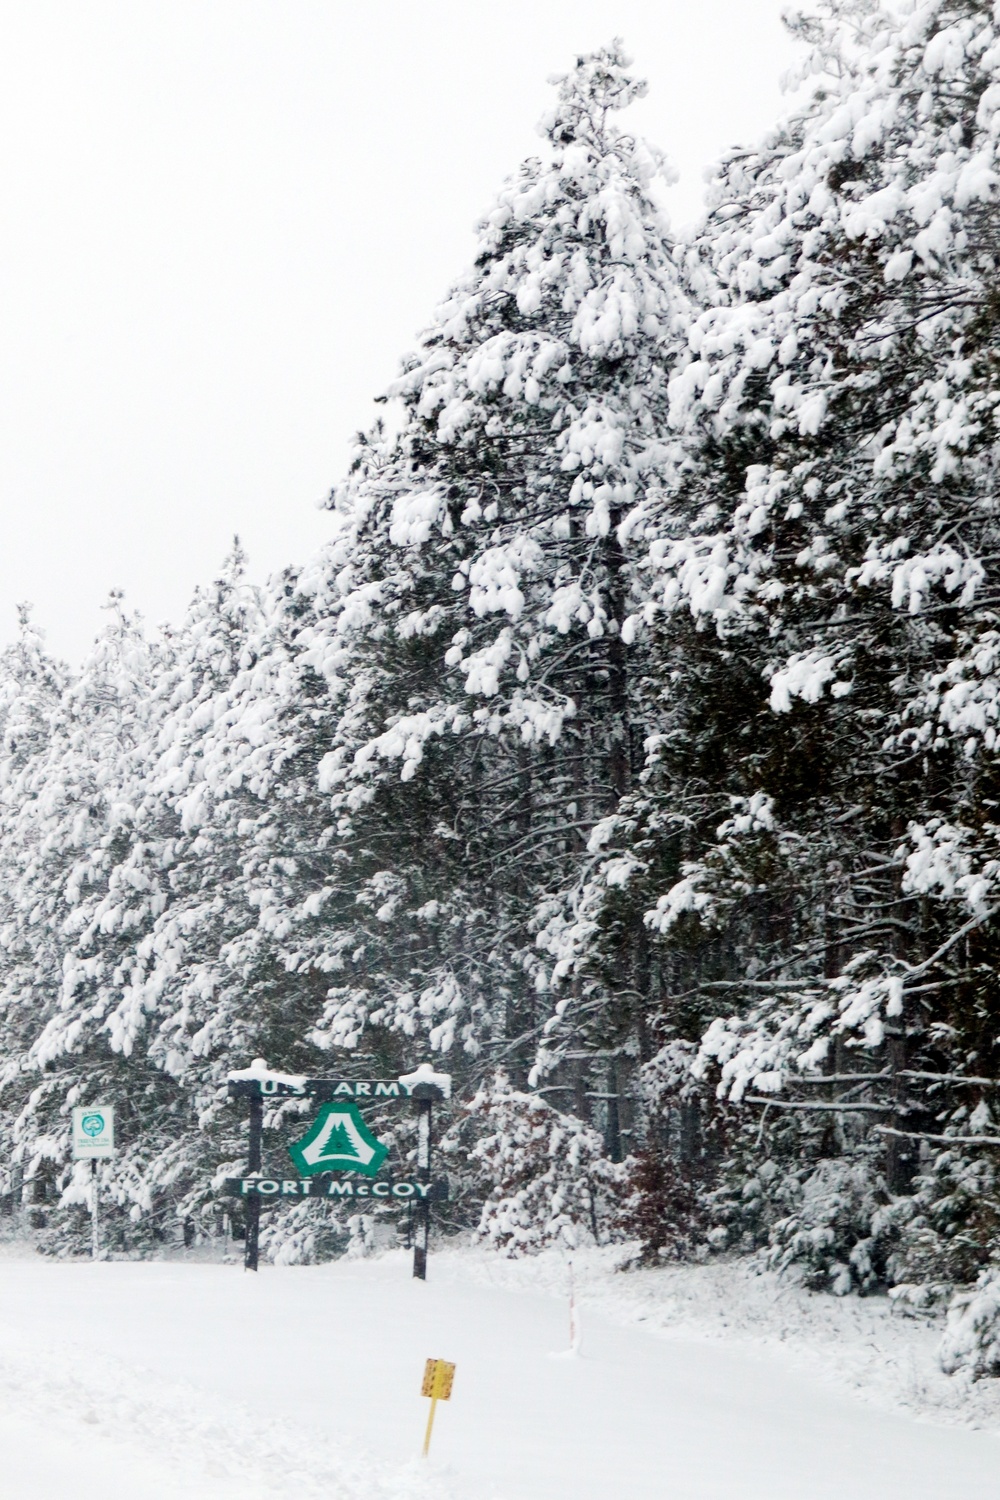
{"type": "Point", "coordinates": [439, 1376]}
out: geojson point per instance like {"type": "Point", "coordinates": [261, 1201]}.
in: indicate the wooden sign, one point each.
{"type": "Point", "coordinates": [337, 1140]}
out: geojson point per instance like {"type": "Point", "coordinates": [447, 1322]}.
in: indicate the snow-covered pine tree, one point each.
{"type": "Point", "coordinates": [832, 539]}
{"type": "Point", "coordinates": [108, 853]}
{"type": "Point", "coordinates": [31, 689]}
{"type": "Point", "coordinates": [176, 1020]}
{"type": "Point", "coordinates": [71, 918]}
{"type": "Point", "coordinates": [262, 898]}
{"type": "Point", "coordinates": [472, 612]}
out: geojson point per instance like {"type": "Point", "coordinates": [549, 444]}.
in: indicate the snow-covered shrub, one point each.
{"type": "Point", "coordinates": [841, 1233]}
{"type": "Point", "coordinates": [551, 1180]}
{"type": "Point", "coordinates": [301, 1236]}
{"type": "Point", "coordinates": [954, 1219]}
{"type": "Point", "coordinates": [745, 1202]}
{"type": "Point", "coordinates": [361, 1228]}
{"type": "Point", "coordinates": [972, 1340]}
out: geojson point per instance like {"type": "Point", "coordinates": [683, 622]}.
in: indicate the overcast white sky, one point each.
{"type": "Point", "coordinates": [223, 221]}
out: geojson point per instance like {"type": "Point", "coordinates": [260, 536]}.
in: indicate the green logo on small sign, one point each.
{"type": "Point", "coordinates": [338, 1140]}
{"type": "Point", "coordinates": [92, 1124]}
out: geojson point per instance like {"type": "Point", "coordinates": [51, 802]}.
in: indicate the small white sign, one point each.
{"type": "Point", "coordinates": [94, 1131]}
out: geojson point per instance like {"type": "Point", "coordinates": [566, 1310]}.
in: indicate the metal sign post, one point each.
{"type": "Point", "coordinates": [338, 1140]}
{"type": "Point", "coordinates": [95, 1233]}
{"type": "Point", "coordinates": [93, 1139]}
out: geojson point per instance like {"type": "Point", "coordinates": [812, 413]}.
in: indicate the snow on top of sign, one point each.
{"type": "Point", "coordinates": [259, 1069]}
{"type": "Point", "coordinates": [426, 1074]}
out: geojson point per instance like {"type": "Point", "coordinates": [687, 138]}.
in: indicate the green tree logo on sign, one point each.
{"type": "Point", "coordinates": [338, 1140]}
{"type": "Point", "coordinates": [339, 1143]}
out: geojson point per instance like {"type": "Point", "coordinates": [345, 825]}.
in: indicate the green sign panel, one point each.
{"type": "Point", "coordinates": [338, 1140]}
{"type": "Point", "coordinates": [274, 1189]}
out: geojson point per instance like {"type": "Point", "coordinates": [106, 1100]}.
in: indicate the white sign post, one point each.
{"type": "Point", "coordinates": [93, 1138]}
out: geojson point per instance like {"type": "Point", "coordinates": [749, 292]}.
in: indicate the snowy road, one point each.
{"type": "Point", "coordinates": [168, 1380]}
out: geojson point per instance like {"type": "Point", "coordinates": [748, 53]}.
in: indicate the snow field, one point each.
{"type": "Point", "coordinates": [178, 1379]}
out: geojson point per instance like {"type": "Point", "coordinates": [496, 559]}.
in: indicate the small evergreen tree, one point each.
{"type": "Point", "coordinates": [550, 1180]}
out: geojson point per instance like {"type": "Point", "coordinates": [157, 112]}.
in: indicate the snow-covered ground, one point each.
{"type": "Point", "coordinates": [170, 1379]}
